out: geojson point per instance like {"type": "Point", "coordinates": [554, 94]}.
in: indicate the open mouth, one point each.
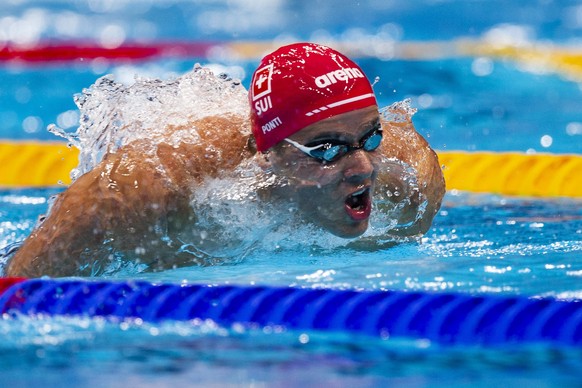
{"type": "Point", "coordinates": [358, 205]}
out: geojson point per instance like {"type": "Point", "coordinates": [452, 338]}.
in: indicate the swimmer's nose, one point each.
{"type": "Point", "coordinates": [359, 167]}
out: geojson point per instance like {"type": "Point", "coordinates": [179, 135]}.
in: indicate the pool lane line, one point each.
{"type": "Point", "coordinates": [537, 56]}
{"type": "Point", "coordinates": [79, 51]}
{"type": "Point", "coordinates": [38, 164]}
{"type": "Point", "coordinates": [35, 164]}
{"type": "Point", "coordinates": [445, 318]}
{"type": "Point", "coordinates": [513, 173]}
{"type": "Point", "coordinates": [6, 283]}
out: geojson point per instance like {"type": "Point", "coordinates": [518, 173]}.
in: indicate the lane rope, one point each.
{"type": "Point", "coordinates": [565, 60]}
{"type": "Point", "coordinates": [512, 173]}
{"type": "Point", "coordinates": [445, 318]}
{"type": "Point", "coordinates": [28, 164]}
{"type": "Point", "coordinates": [36, 164]}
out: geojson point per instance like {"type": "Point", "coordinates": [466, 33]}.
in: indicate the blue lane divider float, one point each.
{"type": "Point", "coordinates": [441, 317]}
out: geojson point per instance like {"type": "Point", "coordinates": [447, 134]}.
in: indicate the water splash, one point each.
{"type": "Point", "coordinates": [398, 112]}
{"type": "Point", "coordinates": [113, 115]}
{"type": "Point", "coordinates": [249, 224]}
{"type": "Point", "coordinates": [384, 219]}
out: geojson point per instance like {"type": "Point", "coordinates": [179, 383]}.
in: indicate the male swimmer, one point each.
{"type": "Point", "coordinates": [315, 125]}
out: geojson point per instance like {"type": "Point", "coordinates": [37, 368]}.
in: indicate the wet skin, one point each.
{"type": "Point", "coordinates": [334, 195]}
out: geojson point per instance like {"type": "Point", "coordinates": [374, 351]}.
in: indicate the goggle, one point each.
{"type": "Point", "coordinates": [332, 151]}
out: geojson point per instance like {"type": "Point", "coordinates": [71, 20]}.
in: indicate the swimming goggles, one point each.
{"type": "Point", "coordinates": [331, 151]}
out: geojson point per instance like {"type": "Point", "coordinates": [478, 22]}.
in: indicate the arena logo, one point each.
{"type": "Point", "coordinates": [338, 75]}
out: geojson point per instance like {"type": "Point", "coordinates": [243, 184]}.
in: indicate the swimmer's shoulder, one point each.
{"type": "Point", "coordinates": [221, 144]}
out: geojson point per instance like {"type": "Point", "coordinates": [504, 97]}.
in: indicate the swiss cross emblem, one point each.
{"type": "Point", "coordinates": [262, 82]}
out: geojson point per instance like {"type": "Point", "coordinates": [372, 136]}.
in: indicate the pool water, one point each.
{"type": "Point", "coordinates": [94, 353]}
{"type": "Point", "coordinates": [478, 244]}
{"type": "Point", "coordinates": [458, 110]}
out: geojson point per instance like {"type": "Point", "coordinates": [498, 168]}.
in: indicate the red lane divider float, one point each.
{"type": "Point", "coordinates": [71, 51]}
{"type": "Point", "coordinates": [6, 283]}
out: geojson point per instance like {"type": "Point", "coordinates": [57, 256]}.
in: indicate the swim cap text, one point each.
{"type": "Point", "coordinates": [271, 125]}
{"type": "Point", "coordinates": [263, 105]}
{"type": "Point", "coordinates": [338, 75]}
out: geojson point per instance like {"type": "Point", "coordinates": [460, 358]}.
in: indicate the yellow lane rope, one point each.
{"type": "Point", "coordinates": [538, 175]}
{"type": "Point", "coordinates": [534, 57]}
{"type": "Point", "coordinates": [30, 164]}
{"type": "Point", "coordinates": [33, 164]}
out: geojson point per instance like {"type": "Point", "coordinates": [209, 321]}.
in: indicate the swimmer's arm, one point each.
{"type": "Point", "coordinates": [117, 204]}
{"type": "Point", "coordinates": [403, 142]}
{"type": "Point", "coordinates": [131, 202]}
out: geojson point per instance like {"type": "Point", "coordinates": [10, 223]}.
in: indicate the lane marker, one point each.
{"type": "Point", "coordinates": [36, 164]}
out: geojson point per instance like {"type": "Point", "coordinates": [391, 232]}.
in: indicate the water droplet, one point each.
{"type": "Point", "coordinates": [482, 66]}
{"type": "Point", "coordinates": [546, 141]}
{"type": "Point", "coordinates": [304, 338]}
{"type": "Point", "coordinates": [574, 128]}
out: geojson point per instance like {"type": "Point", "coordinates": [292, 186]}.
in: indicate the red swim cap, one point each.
{"type": "Point", "coordinates": [300, 84]}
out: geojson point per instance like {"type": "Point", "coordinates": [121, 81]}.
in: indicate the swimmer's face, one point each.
{"type": "Point", "coordinates": [335, 195]}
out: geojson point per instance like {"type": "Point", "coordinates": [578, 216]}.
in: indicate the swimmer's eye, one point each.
{"type": "Point", "coordinates": [331, 151]}
{"type": "Point", "coordinates": [372, 140]}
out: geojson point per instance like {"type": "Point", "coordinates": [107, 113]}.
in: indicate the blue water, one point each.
{"type": "Point", "coordinates": [504, 109]}
{"type": "Point", "coordinates": [509, 110]}
{"type": "Point", "coordinates": [478, 243]}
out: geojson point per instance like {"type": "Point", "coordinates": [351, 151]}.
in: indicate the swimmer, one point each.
{"type": "Point", "coordinates": [314, 124]}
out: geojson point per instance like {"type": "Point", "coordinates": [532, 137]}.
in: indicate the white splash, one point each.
{"type": "Point", "coordinates": [113, 114]}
